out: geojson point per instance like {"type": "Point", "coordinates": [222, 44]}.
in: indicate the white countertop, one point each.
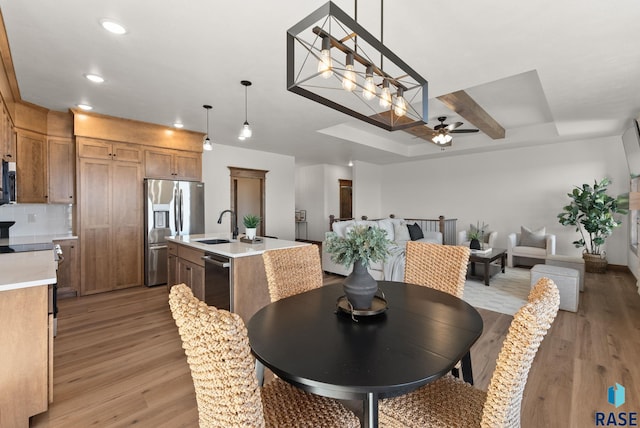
{"type": "Point", "coordinates": [28, 269]}
{"type": "Point", "coordinates": [35, 239]}
{"type": "Point", "coordinates": [235, 248]}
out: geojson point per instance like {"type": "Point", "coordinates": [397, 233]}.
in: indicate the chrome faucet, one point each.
{"type": "Point", "coordinates": [235, 222]}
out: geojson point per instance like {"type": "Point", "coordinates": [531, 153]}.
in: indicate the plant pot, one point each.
{"type": "Point", "coordinates": [250, 232]}
{"type": "Point", "coordinates": [595, 263]}
{"type": "Point", "coordinates": [475, 244]}
{"type": "Point", "coordinates": [360, 287]}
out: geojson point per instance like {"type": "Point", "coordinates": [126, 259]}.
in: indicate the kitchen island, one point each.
{"type": "Point", "coordinates": [247, 281]}
{"type": "Point", "coordinates": [26, 336]}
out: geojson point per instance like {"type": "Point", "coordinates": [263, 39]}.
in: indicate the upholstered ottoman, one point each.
{"type": "Point", "coordinates": [576, 263]}
{"type": "Point", "coordinates": [566, 279]}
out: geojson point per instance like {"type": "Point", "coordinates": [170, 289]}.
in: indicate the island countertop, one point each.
{"type": "Point", "coordinates": [28, 269]}
{"type": "Point", "coordinates": [235, 248]}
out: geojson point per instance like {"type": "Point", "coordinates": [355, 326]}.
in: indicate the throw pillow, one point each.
{"type": "Point", "coordinates": [532, 238]}
{"type": "Point", "coordinates": [401, 232]}
{"type": "Point", "coordinates": [415, 232]}
{"type": "Point", "coordinates": [386, 225]}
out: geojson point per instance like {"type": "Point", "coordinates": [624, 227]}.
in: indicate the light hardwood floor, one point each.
{"type": "Point", "coordinates": [119, 362]}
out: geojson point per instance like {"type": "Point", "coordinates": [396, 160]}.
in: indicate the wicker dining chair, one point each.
{"type": "Point", "coordinates": [450, 402]}
{"type": "Point", "coordinates": [227, 393]}
{"type": "Point", "coordinates": [292, 270]}
{"type": "Point", "coordinates": [443, 267]}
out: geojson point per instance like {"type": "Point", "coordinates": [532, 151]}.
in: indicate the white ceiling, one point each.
{"type": "Point", "coordinates": [547, 71]}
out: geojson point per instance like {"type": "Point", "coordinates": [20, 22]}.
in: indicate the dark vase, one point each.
{"type": "Point", "coordinates": [360, 287]}
{"type": "Point", "coordinates": [475, 244]}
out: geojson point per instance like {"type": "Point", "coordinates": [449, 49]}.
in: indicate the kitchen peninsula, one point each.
{"type": "Point", "coordinates": [247, 281]}
{"type": "Point", "coordinates": [26, 337]}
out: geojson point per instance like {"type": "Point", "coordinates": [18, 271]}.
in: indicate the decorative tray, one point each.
{"type": "Point", "coordinates": [251, 241]}
{"type": "Point", "coordinates": [378, 306]}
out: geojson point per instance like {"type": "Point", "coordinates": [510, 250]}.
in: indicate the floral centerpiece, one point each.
{"type": "Point", "coordinates": [361, 246]}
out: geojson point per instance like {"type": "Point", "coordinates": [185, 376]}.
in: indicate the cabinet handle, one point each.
{"type": "Point", "coordinates": [188, 268]}
{"type": "Point", "coordinates": [9, 155]}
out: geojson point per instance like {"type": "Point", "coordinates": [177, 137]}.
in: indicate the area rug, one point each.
{"type": "Point", "coordinates": [506, 293]}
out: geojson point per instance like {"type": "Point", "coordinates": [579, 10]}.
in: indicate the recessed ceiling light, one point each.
{"type": "Point", "coordinates": [112, 26]}
{"type": "Point", "coordinates": [178, 125]}
{"type": "Point", "coordinates": [85, 107]}
{"type": "Point", "coordinates": [94, 78]}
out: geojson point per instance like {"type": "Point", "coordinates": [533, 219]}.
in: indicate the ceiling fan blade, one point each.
{"type": "Point", "coordinates": [453, 126]}
{"type": "Point", "coordinates": [463, 131]}
{"type": "Point", "coordinates": [465, 106]}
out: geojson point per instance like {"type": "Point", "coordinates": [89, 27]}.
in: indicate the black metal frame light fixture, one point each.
{"type": "Point", "coordinates": [319, 76]}
{"type": "Point", "coordinates": [206, 143]}
{"type": "Point", "coordinates": [246, 131]}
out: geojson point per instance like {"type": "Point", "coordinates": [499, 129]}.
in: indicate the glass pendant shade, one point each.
{"type": "Point", "coordinates": [246, 131]}
{"type": "Point", "coordinates": [325, 65]}
{"type": "Point", "coordinates": [349, 78]}
{"type": "Point", "coordinates": [442, 138]}
{"type": "Point", "coordinates": [369, 91]}
{"type": "Point", "coordinates": [400, 107]}
{"type": "Point", "coordinates": [385, 95]}
{"type": "Point", "coordinates": [206, 144]}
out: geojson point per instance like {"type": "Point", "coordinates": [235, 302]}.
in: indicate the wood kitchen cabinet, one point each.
{"type": "Point", "coordinates": [61, 170]}
{"type": "Point", "coordinates": [108, 150]}
{"type": "Point", "coordinates": [191, 270]}
{"type": "Point", "coordinates": [68, 273]}
{"type": "Point", "coordinates": [172, 164]}
{"type": "Point", "coordinates": [110, 220]}
{"type": "Point", "coordinates": [31, 167]}
{"type": "Point", "coordinates": [172, 266]}
{"type": "Point", "coordinates": [7, 136]}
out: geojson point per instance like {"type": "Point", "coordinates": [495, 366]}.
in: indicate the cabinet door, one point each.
{"type": "Point", "coordinates": [31, 168]}
{"type": "Point", "coordinates": [96, 149]}
{"type": "Point", "coordinates": [95, 226]}
{"type": "Point", "coordinates": [193, 276]}
{"type": "Point", "coordinates": [126, 153]}
{"type": "Point", "coordinates": [61, 171]}
{"type": "Point", "coordinates": [7, 136]}
{"type": "Point", "coordinates": [126, 224]}
{"type": "Point", "coordinates": [172, 269]}
{"type": "Point", "coordinates": [158, 164]}
{"type": "Point", "coordinates": [188, 166]}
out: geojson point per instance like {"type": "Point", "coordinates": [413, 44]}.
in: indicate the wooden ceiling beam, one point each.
{"type": "Point", "coordinates": [465, 106]}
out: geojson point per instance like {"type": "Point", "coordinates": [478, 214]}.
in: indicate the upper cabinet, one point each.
{"type": "Point", "coordinates": [172, 164]}
{"type": "Point", "coordinates": [7, 136]}
{"type": "Point", "coordinates": [100, 149]}
{"type": "Point", "coordinates": [61, 170]}
{"type": "Point", "coordinates": [31, 167]}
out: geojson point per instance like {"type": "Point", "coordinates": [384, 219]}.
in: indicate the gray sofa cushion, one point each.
{"type": "Point", "coordinates": [529, 238]}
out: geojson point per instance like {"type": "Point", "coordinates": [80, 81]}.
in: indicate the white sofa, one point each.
{"type": "Point", "coordinates": [519, 254]}
{"type": "Point", "coordinates": [397, 232]}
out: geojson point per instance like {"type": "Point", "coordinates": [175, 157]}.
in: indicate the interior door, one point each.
{"type": "Point", "coordinates": [248, 195]}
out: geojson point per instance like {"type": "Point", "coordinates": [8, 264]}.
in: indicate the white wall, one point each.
{"type": "Point", "coordinates": [280, 188]}
{"type": "Point", "coordinates": [318, 193]}
{"type": "Point", "coordinates": [507, 189]}
{"type": "Point", "coordinates": [367, 179]}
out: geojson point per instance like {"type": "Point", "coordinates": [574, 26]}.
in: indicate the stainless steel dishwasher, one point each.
{"type": "Point", "coordinates": [218, 289]}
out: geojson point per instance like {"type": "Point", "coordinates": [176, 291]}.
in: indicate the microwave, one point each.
{"type": "Point", "coordinates": [8, 183]}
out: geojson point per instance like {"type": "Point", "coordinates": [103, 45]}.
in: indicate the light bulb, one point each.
{"type": "Point", "coordinates": [325, 65]}
{"type": "Point", "coordinates": [385, 95]}
{"type": "Point", "coordinates": [349, 78]}
{"type": "Point", "coordinates": [400, 107]}
{"type": "Point", "coordinates": [369, 91]}
{"type": "Point", "coordinates": [246, 131]}
{"type": "Point", "coordinates": [206, 145]}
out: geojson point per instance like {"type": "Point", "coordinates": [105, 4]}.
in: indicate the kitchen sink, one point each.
{"type": "Point", "coordinates": [214, 241]}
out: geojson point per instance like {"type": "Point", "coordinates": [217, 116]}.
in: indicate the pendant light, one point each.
{"type": "Point", "coordinates": [369, 91]}
{"type": "Point", "coordinates": [400, 107]}
{"type": "Point", "coordinates": [206, 144]}
{"type": "Point", "coordinates": [246, 131]}
{"type": "Point", "coordinates": [325, 65]}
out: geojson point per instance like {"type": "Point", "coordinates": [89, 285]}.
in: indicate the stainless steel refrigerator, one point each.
{"type": "Point", "coordinates": [172, 208]}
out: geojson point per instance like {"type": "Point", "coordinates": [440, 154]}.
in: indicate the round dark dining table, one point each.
{"type": "Point", "coordinates": [306, 341]}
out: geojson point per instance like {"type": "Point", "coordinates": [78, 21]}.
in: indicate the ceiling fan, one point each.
{"type": "Point", "coordinates": [441, 133]}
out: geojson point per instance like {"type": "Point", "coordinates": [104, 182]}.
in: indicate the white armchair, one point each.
{"type": "Point", "coordinates": [490, 239]}
{"type": "Point", "coordinates": [528, 255]}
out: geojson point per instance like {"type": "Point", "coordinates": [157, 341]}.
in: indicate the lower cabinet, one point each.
{"type": "Point", "coordinates": [68, 273]}
{"type": "Point", "coordinates": [172, 266]}
{"type": "Point", "coordinates": [185, 265]}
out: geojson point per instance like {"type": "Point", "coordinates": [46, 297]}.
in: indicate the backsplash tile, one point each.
{"type": "Point", "coordinates": [38, 219]}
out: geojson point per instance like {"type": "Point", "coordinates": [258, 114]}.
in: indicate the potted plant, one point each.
{"type": "Point", "coordinates": [591, 211]}
{"type": "Point", "coordinates": [361, 246]}
{"type": "Point", "coordinates": [251, 222]}
{"type": "Point", "coordinates": [476, 235]}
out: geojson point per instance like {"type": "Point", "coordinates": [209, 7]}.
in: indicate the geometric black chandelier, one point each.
{"type": "Point", "coordinates": [334, 61]}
